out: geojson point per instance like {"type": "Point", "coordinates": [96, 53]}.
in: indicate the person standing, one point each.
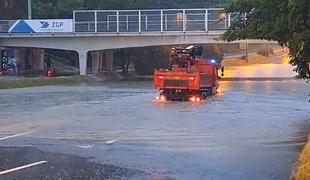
{"type": "Point", "coordinates": [13, 64]}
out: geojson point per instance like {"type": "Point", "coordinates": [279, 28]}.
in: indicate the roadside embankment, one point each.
{"type": "Point", "coordinates": [10, 83]}
{"type": "Point", "coordinates": [302, 171]}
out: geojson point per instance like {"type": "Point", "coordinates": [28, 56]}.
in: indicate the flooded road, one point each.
{"type": "Point", "coordinates": [254, 130]}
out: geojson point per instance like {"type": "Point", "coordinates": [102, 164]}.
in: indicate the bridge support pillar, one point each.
{"type": "Point", "coordinates": [83, 62]}
{"type": "Point", "coordinates": [109, 60]}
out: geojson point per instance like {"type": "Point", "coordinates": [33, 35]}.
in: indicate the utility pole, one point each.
{"type": "Point", "coordinates": [29, 9]}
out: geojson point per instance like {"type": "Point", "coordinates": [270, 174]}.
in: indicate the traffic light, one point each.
{"type": "Point", "coordinates": [4, 60]}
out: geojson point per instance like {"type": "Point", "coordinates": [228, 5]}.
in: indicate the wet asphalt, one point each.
{"type": "Point", "coordinates": [253, 130]}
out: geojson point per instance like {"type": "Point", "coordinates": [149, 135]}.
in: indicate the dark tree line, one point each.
{"type": "Point", "coordinates": [13, 9]}
{"type": "Point", "coordinates": [17, 9]}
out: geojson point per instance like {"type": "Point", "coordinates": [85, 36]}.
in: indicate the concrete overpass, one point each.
{"type": "Point", "coordinates": [85, 43]}
{"type": "Point", "coordinates": [102, 30]}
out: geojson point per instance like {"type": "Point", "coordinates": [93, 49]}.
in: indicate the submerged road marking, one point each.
{"type": "Point", "coordinates": [22, 167]}
{"type": "Point", "coordinates": [86, 146]}
{"type": "Point", "coordinates": [16, 135]}
{"type": "Point", "coordinates": [111, 142]}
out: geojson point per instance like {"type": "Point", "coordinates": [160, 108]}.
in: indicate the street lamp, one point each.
{"type": "Point", "coordinates": [29, 9]}
{"type": "Point", "coordinates": [222, 16]}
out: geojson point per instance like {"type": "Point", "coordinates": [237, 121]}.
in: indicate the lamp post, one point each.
{"type": "Point", "coordinates": [29, 9]}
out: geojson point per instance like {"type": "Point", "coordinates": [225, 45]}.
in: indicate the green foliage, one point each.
{"type": "Point", "coordinates": [17, 9]}
{"type": "Point", "coordinates": [285, 21]}
{"type": "Point", "coordinates": [188, 3]}
{"type": "Point", "coordinates": [55, 8]}
{"type": "Point", "coordinates": [148, 4]}
{"type": "Point", "coordinates": [32, 82]}
{"type": "Point", "coordinates": [13, 9]}
{"type": "Point", "coordinates": [116, 4]}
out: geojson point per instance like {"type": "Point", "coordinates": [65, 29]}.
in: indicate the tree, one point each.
{"type": "Point", "coordinates": [17, 9]}
{"type": "Point", "coordinates": [285, 21]}
{"type": "Point", "coordinates": [148, 4]}
{"type": "Point", "coordinates": [13, 9]}
{"type": "Point", "coordinates": [117, 4]}
{"type": "Point", "coordinates": [55, 8]}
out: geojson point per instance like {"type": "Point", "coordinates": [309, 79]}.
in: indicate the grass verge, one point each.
{"type": "Point", "coordinates": [42, 81]}
{"type": "Point", "coordinates": [302, 171]}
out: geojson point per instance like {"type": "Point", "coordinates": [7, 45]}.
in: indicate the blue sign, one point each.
{"type": "Point", "coordinates": [42, 26]}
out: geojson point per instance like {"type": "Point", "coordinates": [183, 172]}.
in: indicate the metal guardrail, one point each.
{"type": "Point", "coordinates": [161, 20]}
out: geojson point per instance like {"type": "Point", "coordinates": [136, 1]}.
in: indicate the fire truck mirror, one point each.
{"type": "Point", "coordinates": [222, 69]}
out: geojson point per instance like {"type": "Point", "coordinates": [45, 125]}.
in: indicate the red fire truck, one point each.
{"type": "Point", "coordinates": [189, 77]}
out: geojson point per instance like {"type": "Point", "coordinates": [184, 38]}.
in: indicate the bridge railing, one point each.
{"type": "Point", "coordinates": [162, 20]}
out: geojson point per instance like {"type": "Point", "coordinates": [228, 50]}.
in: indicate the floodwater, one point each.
{"type": "Point", "coordinates": [253, 130]}
{"type": "Point", "coordinates": [260, 71]}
